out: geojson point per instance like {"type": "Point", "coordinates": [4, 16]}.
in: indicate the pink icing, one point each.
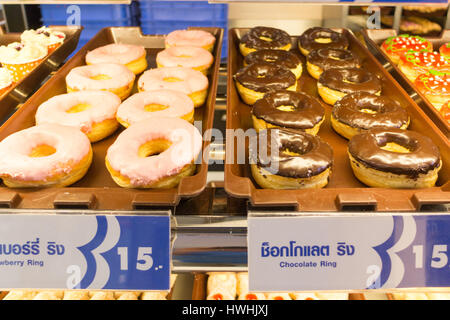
{"type": "Point", "coordinates": [70, 143]}
{"type": "Point", "coordinates": [79, 78]}
{"type": "Point", "coordinates": [104, 106]}
{"type": "Point", "coordinates": [115, 53]}
{"type": "Point", "coordinates": [193, 80]}
{"type": "Point", "coordinates": [189, 38]}
{"type": "Point", "coordinates": [123, 155]}
{"type": "Point", "coordinates": [191, 57]}
{"type": "Point", "coordinates": [132, 110]}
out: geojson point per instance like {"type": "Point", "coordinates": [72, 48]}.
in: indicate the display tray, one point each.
{"type": "Point", "coordinates": [374, 38]}
{"type": "Point", "coordinates": [199, 288]}
{"type": "Point", "coordinates": [19, 91]}
{"type": "Point", "coordinates": [344, 191]}
{"type": "Point", "coordinates": [96, 189]}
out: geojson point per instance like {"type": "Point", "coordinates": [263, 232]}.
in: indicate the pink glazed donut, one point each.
{"type": "Point", "coordinates": [131, 56]}
{"type": "Point", "coordinates": [151, 104]}
{"type": "Point", "coordinates": [189, 81]}
{"type": "Point", "coordinates": [154, 153]}
{"type": "Point", "coordinates": [190, 57]}
{"type": "Point", "coordinates": [112, 77]}
{"type": "Point", "coordinates": [49, 155]}
{"type": "Point", "coordinates": [190, 38]}
{"type": "Point", "coordinates": [93, 112]}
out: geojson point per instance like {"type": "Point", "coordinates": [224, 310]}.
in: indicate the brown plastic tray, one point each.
{"type": "Point", "coordinates": [96, 189]}
{"type": "Point", "coordinates": [343, 191]}
{"type": "Point", "coordinates": [199, 288]}
{"type": "Point", "coordinates": [22, 89]}
{"type": "Point", "coordinates": [374, 38]}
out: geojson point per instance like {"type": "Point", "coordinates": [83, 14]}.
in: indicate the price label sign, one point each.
{"type": "Point", "coordinates": [348, 252]}
{"type": "Point", "coordinates": [85, 252]}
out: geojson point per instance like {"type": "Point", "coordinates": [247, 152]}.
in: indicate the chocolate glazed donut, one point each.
{"type": "Point", "coordinates": [288, 109]}
{"type": "Point", "coordinates": [264, 38]}
{"type": "Point", "coordinates": [334, 84]}
{"type": "Point", "coordinates": [328, 58]}
{"type": "Point", "coordinates": [394, 158]}
{"type": "Point", "coordinates": [318, 38]}
{"type": "Point", "coordinates": [254, 80]}
{"type": "Point", "coordinates": [363, 111]}
{"type": "Point", "coordinates": [299, 160]}
{"type": "Point", "coordinates": [282, 58]}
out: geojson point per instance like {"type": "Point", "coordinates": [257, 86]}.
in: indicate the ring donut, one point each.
{"type": "Point", "coordinates": [93, 112]}
{"type": "Point", "coordinates": [396, 46]}
{"type": "Point", "coordinates": [112, 77]}
{"type": "Point", "coordinates": [154, 104]}
{"type": "Point", "coordinates": [154, 153]}
{"type": "Point", "coordinates": [254, 80]}
{"type": "Point", "coordinates": [412, 64]}
{"type": "Point", "coordinates": [334, 84]}
{"type": "Point", "coordinates": [190, 57]}
{"type": "Point", "coordinates": [294, 160]}
{"type": "Point", "coordinates": [186, 80]}
{"type": "Point", "coordinates": [394, 158]}
{"type": "Point", "coordinates": [190, 38]}
{"type": "Point", "coordinates": [435, 86]}
{"type": "Point", "coordinates": [48, 155]}
{"type": "Point", "coordinates": [328, 58]}
{"type": "Point", "coordinates": [264, 38]}
{"type": "Point", "coordinates": [288, 109]}
{"type": "Point", "coordinates": [282, 58]}
{"type": "Point", "coordinates": [362, 111]}
{"type": "Point", "coordinates": [131, 56]}
{"type": "Point", "coordinates": [318, 38]}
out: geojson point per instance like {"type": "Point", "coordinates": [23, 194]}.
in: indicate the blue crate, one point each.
{"type": "Point", "coordinates": [90, 12]}
{"type": "Point", "coordinates": [182, 11]}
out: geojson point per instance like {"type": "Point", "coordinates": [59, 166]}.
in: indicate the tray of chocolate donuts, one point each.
{"type": "Point", "coordinates": [315, 123]}
{"type": "Point", "coordinates": [121, 126]}
{"type": "Point", "coordinates": [27, 58]}
{"type": "Point", "coordinates": [421, 65]}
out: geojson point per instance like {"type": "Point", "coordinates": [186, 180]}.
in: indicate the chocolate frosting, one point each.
{"type": "Point", "coordinates": [308, 39]}
{"type": "Point", "coordinates": [328, 58]}
{"type": "Point", "coordinates": [265, 77]}
{"type": "Point", "coordinates": [360, 80]}
{"type": "Point", "coordinates": [388, 112]}
{"type": "Point", "coordinates": [282, 58]}
{"type": "Point", "coordinates": [307, 112]}
{"type": "Point", "coordinates": [314, 155]}
{"type": "Point", "coordinates": [424, 154]}
{"type": "Point", "coordinates": [278, 38]}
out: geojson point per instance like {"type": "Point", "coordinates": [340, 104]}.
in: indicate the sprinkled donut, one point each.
{"type": "Point", "coordinates": [396, 46]}
{"type": "Point", "coordinates": [48, 155]}
{"type": "Point", "coordinates": [153, 104]}
{"type": "Point", "coordinates": [112, 77]}
{"type": "Point", "coordinates": [190, 57]}
{"type": "Point", "coordinates": [133, 57]}
{"type": "Point", "coordinates": [154, 153]}
{"type": "Point", "coordinates": [93, 112]}
{"type": "Point", "coordinates": [435, 86]}
{"type": "Point", "coordinates": [412, 64]}
{"type": "Point", "coordinates": [186, 80]}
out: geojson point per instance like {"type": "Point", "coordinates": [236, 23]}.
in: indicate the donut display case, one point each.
{"type": "Point", "coordinates": [204, 217]}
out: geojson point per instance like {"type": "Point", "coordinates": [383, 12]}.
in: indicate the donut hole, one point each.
{"type": "Point", "coordinates": [264, 38]}
{"type": "Point", "coordinates": [79, 108]}
{"type": "Point", "coordinates": [289, 152]}
{"type": "Point", "coordinates": [42, 150]}
{"type": "Point", "coordinates": [172, 79]}
{"type": "Point", "coordinates": [153, 147]}
{"type": "Point", "coordinates": [100, 77]}
{"type": "Point", "coordinates": [322, 40]}
{"type": "Point", "coordinates": [153, 107]}
{"type": "Point", "coordinates": [395, 147]}
{"type": "Point", "coordinates": [396, 143]}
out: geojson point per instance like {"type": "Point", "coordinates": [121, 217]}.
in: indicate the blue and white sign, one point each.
{"type": "Point", "coordinates": [85, 252]}
{"type": "Point", "coordinates": [348, 252]}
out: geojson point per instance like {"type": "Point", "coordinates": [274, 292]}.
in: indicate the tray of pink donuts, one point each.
{"type": "Point", "coordinates": [327, 128]}
{"type": "Point", "coordinates": [123, 125]}
{"type": "Point", "coordinates": [27, 58]}
{"type": "Point", "coordinates": [421, 65]}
